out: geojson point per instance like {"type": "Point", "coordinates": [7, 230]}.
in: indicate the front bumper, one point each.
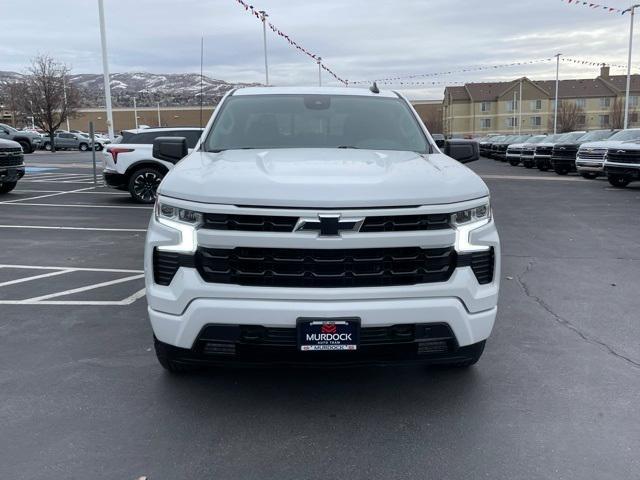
{"type": "Point", "coordinates": [11, 174]}
{"type": "Point", "coordinates": [589, 165]}
{"type": "Point", "coordinates": [569, 163]}
{"type": "Point", "coordinates": [179, 311]}
{"type": "Point", "coordinates": [623, 169]}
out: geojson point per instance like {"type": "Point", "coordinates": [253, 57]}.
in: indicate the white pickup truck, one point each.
{"type": "Point", "coordinates": [319, 226]}
{"type": "Point", "coordinates": [129, 163]}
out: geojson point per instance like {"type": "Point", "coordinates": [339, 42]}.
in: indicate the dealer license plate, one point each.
{"type": "Point", "coordinates": [329, 334]}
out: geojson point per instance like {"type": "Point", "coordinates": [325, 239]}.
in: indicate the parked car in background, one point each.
{"type": "Point", "coordinates": [29, 141]}
{"type": "Point", "coordinates": [129, 164]}
{"type": "Point", "coordinates": [528, 155]}
{"type": "Point", "coordinates": [544, 150]}
{"type": "Point", "coordinates": [439, 139]}
{"type": "Point", "coordinates": [499, 149]}
{"type": "Point", "coordinates": [68, 141]}
{"type": "Point", "coordinates": [622, 164]}
{"type": "Point", "coordinates": [563, 156]}
{"type": "Point", "coordinates": [515, 150]}
{"type": "Point", "coordinates": [11, 165]}
{"type": "Point", "coordinates": [486, 143]}
{"type": "Point", "coordinates": [591, 155]}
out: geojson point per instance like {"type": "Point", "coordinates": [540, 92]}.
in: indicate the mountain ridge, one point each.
{"type": "Point", "coordinates": [170, 89]}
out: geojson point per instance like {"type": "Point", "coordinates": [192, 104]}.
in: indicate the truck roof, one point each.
{"type": "Point", "coordinates": [364, 92]}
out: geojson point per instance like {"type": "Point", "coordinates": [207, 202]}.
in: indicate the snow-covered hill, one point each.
{"type": "Point", "coordinates": [172, 89]}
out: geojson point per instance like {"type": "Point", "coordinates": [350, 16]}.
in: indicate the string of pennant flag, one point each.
{"type": "Point", "coordinates": [597, 6]}
{"type": "Point", "coordinates": [291, 41]}
{"type": "Point", "coordinates": [450, 72]}
{"type": "Point", "coordinates": [591, 63]}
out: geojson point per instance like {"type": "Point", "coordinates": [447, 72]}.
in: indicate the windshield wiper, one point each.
{"type": "Point", "coordinates": [347, 146]}
{"type": "Point", "coordinates": [218, 150]}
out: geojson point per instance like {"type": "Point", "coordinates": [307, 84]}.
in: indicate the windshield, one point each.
{"type": "Point", "coordinates": [570, 137]}
{"type": "Point", "coordinates": [315, 121]}
{"type": "Point", "coordinates": [7, 127]}
{"type": "Point", "coordinates": [596, 135]}
{"type": "Point", "coordinates": [537, 139]}
{"type": "Point", "coordinates": [626, 135]}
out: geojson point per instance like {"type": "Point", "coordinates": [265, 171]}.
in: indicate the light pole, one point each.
{"type": "Point", "coordinates": [513, 109]}
{"type": "Point", "coordinates": [263, 17]}
{"type": "Point", "coordinates": [631, 9]}
{"type": "Point", "coordinates": [135, 111]}
{"type": "Point", "coordinates": [159, 120]}
{"type": "Point", "coordinates": [319, 71]}
{"type": "Point", "coordinates": [105, 70]}
{"type": "Point", "coordinates": [520, 109]}
{"type": "Point", "coordinates": [64, 91]}
{"type": "Point", "coordinates": [555, 105]}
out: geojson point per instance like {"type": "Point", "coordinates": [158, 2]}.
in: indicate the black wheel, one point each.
{"type": "Point", "coordinates": [6, 187]}
{"type": "Point", "coordinates": [143, 184]}
{"type": "Point", "coordinates": [618, 181]}
{"type": "Point", "coordinates": [514, 163]}
{"type": "Point", "coordinates": [561, 170]}
{"type": "Point", "coordinates": [589, 175]}
{"type": "Point", "coordinates": [83, 147]}
{"type": "Point", "coordinates": [47, 146]}
{"type": "Point", "coordinates": [26, 146]}
{"type": "Point", "coordinates": [98, 147]}
{"type": "Point", "coordinates": [474, 352]}
{"type": "Point", "coordinates": [166, 357]}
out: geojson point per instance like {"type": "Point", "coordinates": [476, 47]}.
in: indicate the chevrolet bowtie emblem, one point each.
{"type": "Point", "coordinates": [328, 225]}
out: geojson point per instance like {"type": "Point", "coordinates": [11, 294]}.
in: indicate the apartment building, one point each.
{"type": "Point", "coordinates": [528, 105]}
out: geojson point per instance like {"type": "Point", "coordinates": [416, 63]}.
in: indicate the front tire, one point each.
{"type": "Point", "coordinates": [47, 146]}
{"type": "Point", "coordinates": [561, 170]}
{"type": "Point", "coordinates": [26, 147]}
{"type": "Point", "coordinates": [588, 175]}
{"type": "Point", "coordinates": [167, 358]}
{"type": "Point", "coordinates": [143, 184]}
{"type": "Point", "coordinates": [6, 187]}
{"type": "Point", "coordinates": [618, 181]}
{"type": "Point", "coordinates": [514, 163]}
{"type": "Point", "coordinates": [83, 147]}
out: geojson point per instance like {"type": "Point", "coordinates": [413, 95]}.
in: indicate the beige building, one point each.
{"type": "Point", "coordinates": [476, 109]}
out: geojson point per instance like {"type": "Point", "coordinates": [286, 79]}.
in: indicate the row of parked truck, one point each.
{"type": "Point", "coordinates": [613, 153]}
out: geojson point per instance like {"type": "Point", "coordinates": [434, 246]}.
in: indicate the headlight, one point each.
{"type": "Point", "coordinates": [465, 222]}
{"type": "Point", "coordinates": [181, 219]}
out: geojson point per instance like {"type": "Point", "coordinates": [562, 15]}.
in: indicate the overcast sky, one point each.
{"type": "Point", "coordinates": [357, 39]}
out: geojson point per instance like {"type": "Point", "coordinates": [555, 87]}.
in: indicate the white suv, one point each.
{"type": "Point", "coordinates": [320, 225]}
{"type": "Point", "coordinates": [129, 163]}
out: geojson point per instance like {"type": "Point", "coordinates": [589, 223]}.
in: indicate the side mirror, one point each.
{"type": "Point", "coordinates": [440, 143]}
{"type": "Point", "coordinates": [464, 151]}
{"type": "Point", "coordinates": [171, 149]}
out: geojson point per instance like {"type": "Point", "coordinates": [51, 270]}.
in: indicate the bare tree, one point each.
{"type": "Point", "coordinates": [47, 95]}
{"type": "Point", "coordinates": [616, 114]}
{"type": "Point", "coordinates": [568, 116]}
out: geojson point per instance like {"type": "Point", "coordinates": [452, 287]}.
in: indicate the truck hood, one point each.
{"type": "Point", "coordinates": [606, 144]}
{"type": "Point", "coordinates": [325, 178]}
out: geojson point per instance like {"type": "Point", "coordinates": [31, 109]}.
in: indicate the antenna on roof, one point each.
{"type": "Point", "coordinates": [374, 88]}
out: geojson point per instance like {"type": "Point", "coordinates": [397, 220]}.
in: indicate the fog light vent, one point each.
{"type": "Point", "coordinates": [217, 348]}
{"type": "Point", "coordinates": [437, 346]}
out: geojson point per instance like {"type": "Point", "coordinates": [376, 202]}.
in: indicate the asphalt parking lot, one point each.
{"type": "Point", "coordinates": [555, 395]}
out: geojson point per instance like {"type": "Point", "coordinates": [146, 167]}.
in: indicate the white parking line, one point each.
{"type": "Point", "coordinates": [522, 177]}
{"type": "Point", "coordinates": [90, 229]}
{"type": "Point", "coordinates": [34, 277]}
{"type": "Point", "coordinates": [77, 206]}
{"type": "Point", "coordinates": [46, 196]}
{"type": "Point", "coordinates": [83, 289]}
{"type": "Point", "coordinates": [71, 269]}
{"type": "Point", "coordinates": [46, 299]}
{"type": "Point", "coordinates": [71, 191]}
